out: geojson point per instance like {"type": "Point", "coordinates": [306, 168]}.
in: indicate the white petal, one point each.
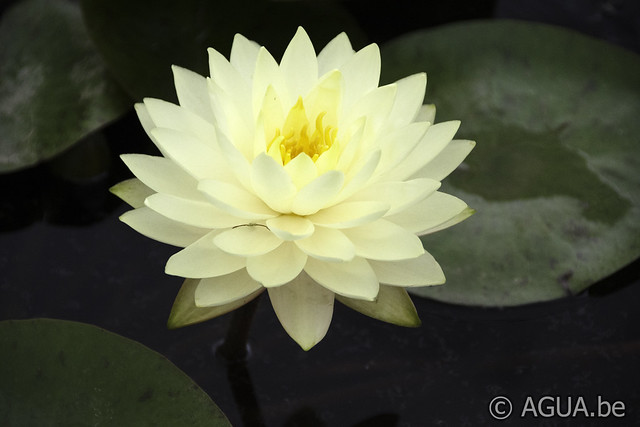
{"type": "Point", "coordinates": [162, 175]}
{"type": "Point", "coordinates": [290, 227]}
{"type": "Point", "coordinates": [203, 259]}
{"type": "Point", "coordinates": [243, 55]}
{"type": "Point", "coordinates": [337, 52]}
{"type": "Point", "coordinates": [318, 193]}
{"type": "Point", "coordinates": [235, 200]}
{"type": "Point", "coordinates": [326, 97]}
{"type": "Point", "coordinates": [399, 195]}
{"type": "Point", "coordinates": [398, 143]}
{"type": "Point", "coordinates": [192, 92]}
{"type": "Point", "coordinates": [466, 213]}
{"type": "Point", "coordinates": [215, 291]}
{"type": "Point", "coordinates": [408, 99]}
{"type": "Point", "coordinates": [299, 64]}
{"type": "Point", "coordinates": [167, 115]}
{"type": "Point", "coordinates": [375, 106]}
{"type": "Point", "coordinates": [362, 176]}
{"type": "Point", "coordinates": [361, 74]}
{"type": "Point", "coordinates": [191, 212]}
{"type": "Point", "coordinates": [272, 183]}
{"type": "Point", "coordinates": [157, 227]}
{"type": "Point", "coordinates": [250, 240]}
{"type": "Point", "coordinates": [304, 309]}
{"type": "Point", "coordinates": [267, 73]}
{"type": "Point", "coordinates": [350, 214]}
{"type": "Point", "coordinates": [435, 139]}
{"type": "Point", "coordinates": [385, 241]}
{"type": "Point", "coordinates": [427, 113]}
{"type": "Point", "coordinates": [447, 161]}
{"type": "Point", "coordinates": [421, 271]}
{"type": "Point", "coordinates": [353, 279]}
{"type": "Point", "coordinates": [277, 267]}
{"type": "Point", "coordinates": [233, 117]}
{"type": "Point", "coordinates": [132, 191]}
{"type": "Point", "coordinates": [431, 212]}
{"type": "Point", "coordinates": [229, 79]}
{"type": "Point", "coordinates": [327, 244]}
{"type": "Point", "coordinates": [302, 170]}
{"type": "Point", "coordinates": [193, 155]}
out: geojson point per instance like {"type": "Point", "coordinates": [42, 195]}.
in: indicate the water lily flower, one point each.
{"type": "Point", "coordinates": [305, 178]}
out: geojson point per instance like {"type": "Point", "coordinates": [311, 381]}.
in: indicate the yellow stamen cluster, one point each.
{"type": "Point", "coordinates": [296, 137]}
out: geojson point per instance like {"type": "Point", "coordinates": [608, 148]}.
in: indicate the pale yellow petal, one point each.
{"type": "Point", "coordinates": [299, 64]}
{"type": "Point", "coordinates": [399, 195]}
{"type": "Point", "coordinates": [304, 309]}
{"type": "Point", "coordinates": [272, 183]}
{"type": "Point", "coordinates": [162, 175]}
{"type": "Point", "coordinates": [132, 191]}
{"type": "Point", "coordinates": [384, 240]}
{"type": "Point", "coordinates": [353, 279]}
{"type": "Point", "coordinates": [217, 291]}
{"type": "Point", "coordinates": [421, 271]}
{"type": "Point", "coordinates": [350, 214]}
{"type": "Point", "coordinates": [203, 259]}
{"type": "Point", "coordinates": [277, 267]}
{"type": "Point", "coordinates": [437, 209]}
{"type": "Point", "coordinates": [327, 244]}
{"type": "Point", "coordinates": [336, 53]}
{"type": "Point", "coordinates": [192, 92]}
{"type": "Point", "coordinates": [248, 240]}
{"type": "Point", "coordinates": [361, 74]}
{"type": "Point", "coordinates": [157, 227]}
{"type": "Point", "coordinates": [243, 55]}
{"type": "Point", "coordinates": [191, 212]}
{"type": "Point", "coordinates": [318, 193]}
{"type": "Point", "coordinates": [409, 98]}
{"type": "Point", "coordinates": [290, 227]}
{"type": "Point", "coordinates": [235, 200]}
{"type": "Point", "coordinates": [447, 161]}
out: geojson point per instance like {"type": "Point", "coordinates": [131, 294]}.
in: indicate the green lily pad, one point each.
{"type": "Point", "coordinates": [141, 39]}
{"type": "Point", "coordinates": [56, 372]}
{"type": "Point", "coordinates": [54, 88]}
{"type": "Point", "coordinates": [555, 175]}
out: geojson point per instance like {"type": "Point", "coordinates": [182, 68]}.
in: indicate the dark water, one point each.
{"type": "Point", "coordinates": [64, 254]}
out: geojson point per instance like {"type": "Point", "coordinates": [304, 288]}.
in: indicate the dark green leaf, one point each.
{"type": "Point", "coordinates": [55, 372]}
{"type": "Point", "coordinates": [54, 89]}
{"type": "Point", "coordinates": [555, 175]}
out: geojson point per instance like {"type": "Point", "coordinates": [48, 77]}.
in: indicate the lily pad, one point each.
{"type": "Point", "coordinates": [140, 40]}
{"type": "Point", "coordinates": [555, 175]}
{"type": "Point", "coordinates": [56, 372]}
{"type": "Point", "coordinates": [54, 88]}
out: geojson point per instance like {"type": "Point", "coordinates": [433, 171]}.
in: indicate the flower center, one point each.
{"type": "Point", "coordinates": [298, 136]}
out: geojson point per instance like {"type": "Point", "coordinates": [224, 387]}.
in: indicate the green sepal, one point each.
{"type": "Point", "coordinates": [393, 305]}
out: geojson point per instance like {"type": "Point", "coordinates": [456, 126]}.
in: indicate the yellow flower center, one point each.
{"type": "Point", "coordinates": [299, 136]}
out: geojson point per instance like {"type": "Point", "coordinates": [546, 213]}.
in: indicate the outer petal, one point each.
{"type": "Point", "coordinates": [433, 142]}
{"type": "Point", "coordinates": [431, 212]}
{"type": "Point", "coordinates": [327, 244]}
{"type": "Point", "coordinates": [277, 267]}
{"type": "Point", "coordinates": [184, 311]}
{"type": "Point", "coordinates": [190, 212]}
{"type": "Point", "coordinates": [353, 279]}
{"type": "Point", "coordinates": [196, 157]}
{"type": "Point", "coordinates": [304, 309]}
{"type": "Point", "coordinates": [398, 194]}
{"type": "Point", "coordinates": [146, 122]}
{"type": "Point", "coordinates": [447, 161]}
{"type": "Point", "coordinates": [272, 183]}
{"type": "Point", "coordinates": [408, 100]}
{"type": "Point", "coordinates": [203, 259]}
{"type": "Point", "coordinates": [192, 92]}
{"type": "Point", "coordinates": [384, 240]}
{"type": "Point", "coordinates": [132, 191]}
{"type": "Point", "coordinates": [247, 241]}
{"type": "Point", "coordinates": [243, 55]}
{"type": "Point", "coordinates": [167, 115]}
{"type": "Point", "coordinates": [162, 175]}
{"type": "Point", "coordinates": [349, 214]}
{"type": "Point", "coordinates": [216, 291]}
{"type": "Point", "coordinates": [235, 200]}
{"type": "Point", "coordinates": [466, 213]}
{"type": "Point", "coordinates": [361, 74]}
{"type": "Point", "coordinates": [157, 227]}
{"type": "Point", "coordinates": [336, 53]}
{"type": "Point", "coordinates": [318, 193]}
{"type": "Point", "coordinates": [299, 64]}
{"type": "Point", "coordinates": [421, 271]}
{"type": "Point", "coordinates": [392, 305]}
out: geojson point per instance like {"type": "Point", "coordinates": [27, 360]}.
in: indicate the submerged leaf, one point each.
{"type": "Point", "coordinates": [56, 372]}
{"type": "Point", "coordinates": [54, 88]}
{"type": "Point", "coordinates": [555, 175]}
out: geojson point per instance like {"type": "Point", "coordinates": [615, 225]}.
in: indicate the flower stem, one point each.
{"type": "Point", "coordinates": [235, 346]}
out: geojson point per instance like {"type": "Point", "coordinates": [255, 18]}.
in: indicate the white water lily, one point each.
{"type": "Point", "coordinates": [304, 178]}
